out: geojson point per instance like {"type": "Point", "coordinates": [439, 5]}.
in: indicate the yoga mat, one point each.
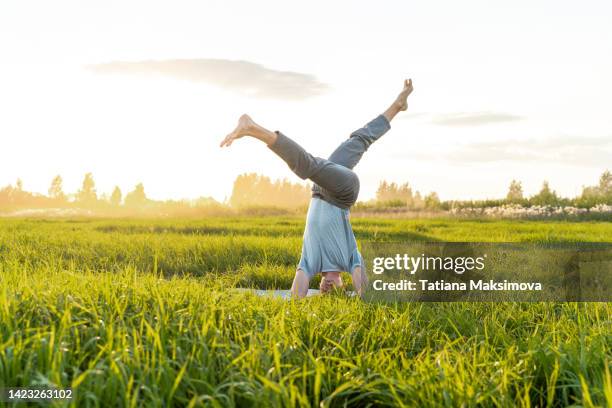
{"type": "Point", "coordinates": [281, 293]}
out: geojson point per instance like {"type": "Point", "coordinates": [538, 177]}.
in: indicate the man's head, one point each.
{"type": "Point", "coordinates": [330, 281]}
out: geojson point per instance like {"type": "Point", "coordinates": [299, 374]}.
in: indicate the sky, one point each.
{"type": "Point", "coordinates": [143, 91]}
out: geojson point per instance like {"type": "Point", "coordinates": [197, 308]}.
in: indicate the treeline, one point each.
{"type": "Point", "coordinates": [14, 197]}
{"type": "Point", "coordinates": [251, 194]}
{"type": "Point", "coordinates": [255, 193]}
{"type": "Point", "coordinates": [591, 196]}
{"type": "Point", "coordinates": [86, 197]}
{"type": "Point", "coordinates": [402, 195]}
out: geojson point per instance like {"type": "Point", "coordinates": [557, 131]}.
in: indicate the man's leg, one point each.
{"type": "Point", "coordinates": [360, 280]}
{"type": "Point", "coordinates": [334, 178]}
{"type": "Point", "coordinates": [350, 151]}
{"type": "Point", "coordinates": [338, 181]}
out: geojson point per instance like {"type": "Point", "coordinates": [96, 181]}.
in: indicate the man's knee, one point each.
{"type": "Point", "coordinates": [350, 188]}
{"type": "Point", "coordinates": [354, 188]}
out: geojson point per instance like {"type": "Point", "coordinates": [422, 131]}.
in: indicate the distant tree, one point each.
{"type": "Point", "coordinates": [242, 190]}
{"type": "Point", "coordinates": [546, 196]}
{"type": "Point", "coordinates": [405, 193]}
{"type": "Point", "coordinates": [394, 193]}
{"type": "Point", "coordinates": [605, 184]}
{"type": "Point", "coordinates": [56, 191]}
{"type": "Point", "coordinates": [515, 192]}
{"type": "Point", "coordinates": [432, 201]}
{"type": "Point", "coordinates": [599, 194]}
{"type": "Point", "coordinates": [205, 202]}
{"type": "Point", "coordinates": [137, 197]}
{"type": "Point", "coordinates": [417, 201]}
{"type": "Point", "coordinates": [87, 194]}
{"type": "Point", "coordinates": [383, 191]}
{"type": "Point", "coordinates": [115, 198]}
{"type": "Point", "coordinates": [256, 190]}
{"type": "Point", "coordinates": [590, 197]}
{"type": "Point", "coordinates": [6, 196]}
{"type": "Point", "coordinates": [18, 196]}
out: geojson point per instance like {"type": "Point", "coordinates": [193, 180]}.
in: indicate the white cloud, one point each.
{"type": "Point", "coordinates": [580, 151]}
{"type": "Point", "coordinates": [465, 118]}
{"type": "Point", "coordinates": [240, 76]}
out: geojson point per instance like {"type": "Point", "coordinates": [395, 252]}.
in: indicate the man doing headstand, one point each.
{"type": "Point", "coordinates": [329, 245]}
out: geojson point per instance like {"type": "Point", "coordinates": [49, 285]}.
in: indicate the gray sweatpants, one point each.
{"type": "Point", "coordinates": [333, 178]}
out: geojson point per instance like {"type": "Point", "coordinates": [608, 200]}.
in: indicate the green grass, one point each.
{"type": "Point", "coordinates": [133, 313]}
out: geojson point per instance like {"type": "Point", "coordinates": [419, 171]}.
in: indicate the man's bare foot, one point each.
{"type": "Point", "coordinates": [245, 127]}
{"type": "Point", "coordinates": [401, 102]}
{"type": "Point", "coordinates": [402, 98]}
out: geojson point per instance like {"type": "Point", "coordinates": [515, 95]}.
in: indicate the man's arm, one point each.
{"type": "Point", "coordinates": [299, 289]}
{"type": "Point", "coordinates": [360, 281]}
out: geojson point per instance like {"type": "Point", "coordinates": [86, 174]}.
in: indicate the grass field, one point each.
{"type": "Point", "coordinates": [140, 312]}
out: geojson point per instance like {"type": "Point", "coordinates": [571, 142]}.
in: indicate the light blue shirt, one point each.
{"type": "Point", "coordinates": [329, 243]}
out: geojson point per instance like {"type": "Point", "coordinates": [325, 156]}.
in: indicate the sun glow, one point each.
{"type": "Point", "coordinates": [488, 107]}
